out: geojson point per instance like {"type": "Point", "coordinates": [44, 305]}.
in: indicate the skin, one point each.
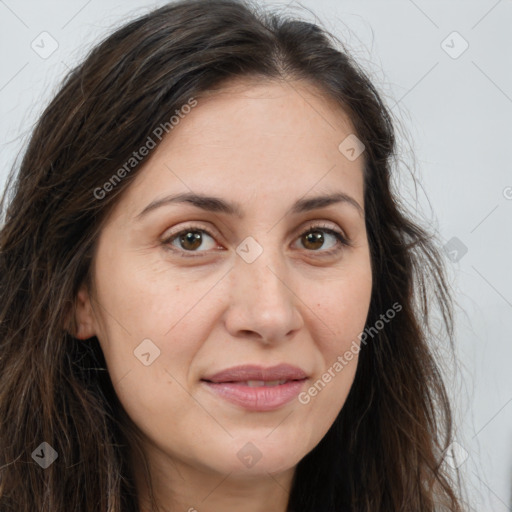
{"type": "Point", "coordinates": [264, 145]}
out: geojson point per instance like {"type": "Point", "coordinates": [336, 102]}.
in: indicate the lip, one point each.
{"type": "Point", "coordinates": [244, 373]}
{"type": "Point", "coordinates": [231, 385]}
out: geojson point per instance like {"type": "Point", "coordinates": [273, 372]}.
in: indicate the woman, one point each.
{"type": "Point", "coordinates": [211, 299]}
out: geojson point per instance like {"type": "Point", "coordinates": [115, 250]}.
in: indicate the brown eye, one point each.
{"type": "Point", "coordinates": [190, 240]}
{"type": "Point", "coordinates": [313, 240]}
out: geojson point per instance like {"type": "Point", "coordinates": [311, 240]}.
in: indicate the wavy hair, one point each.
{"type": "Point", "coordinates": [384, 451]}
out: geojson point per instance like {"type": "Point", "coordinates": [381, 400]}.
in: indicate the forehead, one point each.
{"type": "Point", "coordinates": [250, 111]}
{"type": "Point", "coordinates": [269, 139]}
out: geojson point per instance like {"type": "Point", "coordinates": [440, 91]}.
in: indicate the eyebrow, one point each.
{"type": "Point", "coordinates": [218, 205]}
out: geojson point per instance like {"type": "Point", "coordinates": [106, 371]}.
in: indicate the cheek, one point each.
{"type": "Point", "coordinates": [138, 301]}
{"type": "Point", "coordinates": [340, 316]}
{"type": "Point", "coordinates": [149, 352]}
{"type": "Point", "coordinates": [325, 398]}
{"type": "Point", "coordinates": [341, 309]}
{"type": "Point", "coordinates": [146, 332]}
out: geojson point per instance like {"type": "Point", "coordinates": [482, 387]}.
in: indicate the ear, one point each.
{"type": "Point", "coordinates": [84, 315]}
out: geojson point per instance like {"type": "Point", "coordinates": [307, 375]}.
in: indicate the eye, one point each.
{"type": "Point", "coordinates": [191, 238]}
{"type": "Point", "coordinates": [188, 240]}
{"type": "Point", "coordinates": [314, 238]}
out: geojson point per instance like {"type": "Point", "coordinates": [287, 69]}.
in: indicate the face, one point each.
{"type": "Point", "coordinates": [184, 290]}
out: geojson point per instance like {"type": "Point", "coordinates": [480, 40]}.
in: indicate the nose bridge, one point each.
{"type": "Point", "coordinates": [261, 296]}
{"type": "Point", "coordinates": [261, 267]}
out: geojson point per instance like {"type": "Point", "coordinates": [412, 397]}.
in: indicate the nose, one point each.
{"type": "Point", "coordinates": [263, 304]}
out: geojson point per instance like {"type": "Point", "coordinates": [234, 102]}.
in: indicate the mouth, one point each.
{"type": "Point", "coordinates": [256, 388]}
{"type": "Point", "coordinates": [254, 383]}
{"type": "Point", "coordinates": [258, 374]}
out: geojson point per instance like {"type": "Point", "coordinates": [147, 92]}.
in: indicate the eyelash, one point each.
{"type": "Point", "coordinates": [343, 241]}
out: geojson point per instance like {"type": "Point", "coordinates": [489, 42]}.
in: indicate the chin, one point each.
{"type": "Point", "coordinates": [260, 454]}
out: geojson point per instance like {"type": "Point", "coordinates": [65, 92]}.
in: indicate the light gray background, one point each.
{"type": "Point", "coordinates": [455, 114]}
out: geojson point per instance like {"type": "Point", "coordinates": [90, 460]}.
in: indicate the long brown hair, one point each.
{"type": "Point", "coordinates": [384, 451]}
